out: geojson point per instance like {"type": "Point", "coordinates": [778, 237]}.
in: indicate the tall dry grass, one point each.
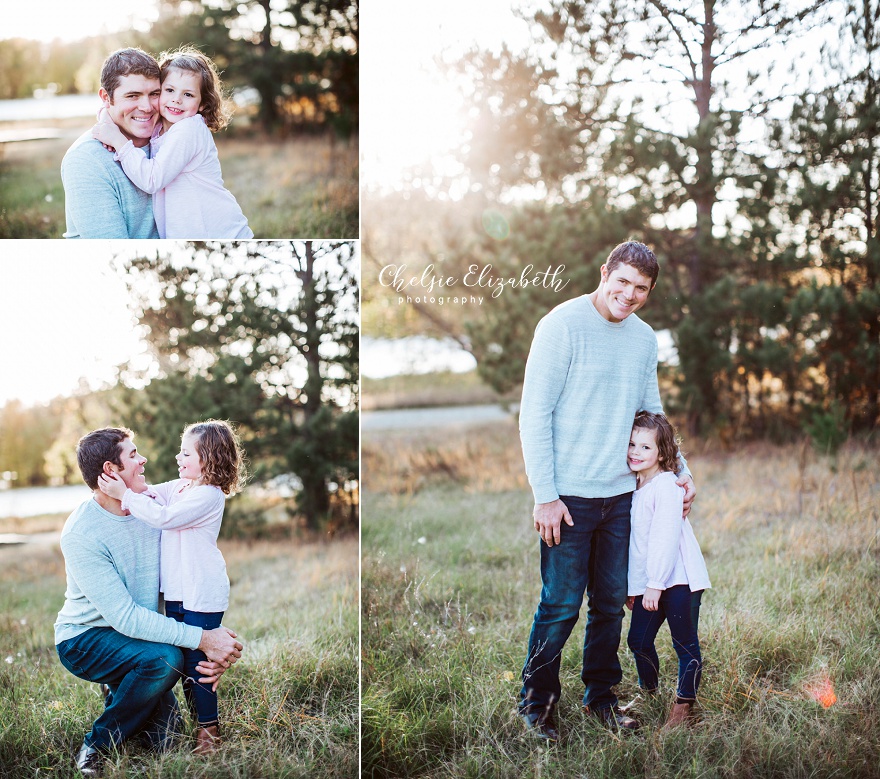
{"type": "Point", "coordinates": [789, 631]}
{"type": "Point", "coordinates": [289, 708]}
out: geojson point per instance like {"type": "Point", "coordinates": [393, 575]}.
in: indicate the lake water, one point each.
{"type": "Point", "coordinates": [422, 418]}
{"type": "Point", "coordinates": [33, 501]}
{"type": "Point", "coordinates": [383, 357]}
{"type": "Point", "coordinates": [59, 107]}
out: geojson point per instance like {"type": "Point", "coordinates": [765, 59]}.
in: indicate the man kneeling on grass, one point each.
{"type": "Point", "coordinates": [109, 630]}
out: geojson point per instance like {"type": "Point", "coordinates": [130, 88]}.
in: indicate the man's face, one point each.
{"type": "Point", "coordinates": [132, 470]}
{"type": "Point", "coordinates": [623, 291]}
{"type": "Point", "coordinates": [134, 106]}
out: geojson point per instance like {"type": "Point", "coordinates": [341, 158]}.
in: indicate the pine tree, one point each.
{"type": "Point", "coordinates": [263, 334]}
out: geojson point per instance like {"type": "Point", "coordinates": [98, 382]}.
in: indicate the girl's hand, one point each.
{"type": "Point", "coordinates": [114, 487]}
{"type": "Point", "coordinates": [651, 599]}
{"type": "Point", "coordinates": [109, 135]}
{"type": "Point", "coordinates": [630, 602]}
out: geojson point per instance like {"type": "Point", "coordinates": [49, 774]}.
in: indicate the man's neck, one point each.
{"type": "Point", "coordinates": [139, 142]}
{"type": "Point", "coordinates": [110, 504]}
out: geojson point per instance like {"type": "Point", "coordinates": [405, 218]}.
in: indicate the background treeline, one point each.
{"type": "Point", "coordinates": [299, 58]}
{"type": "Point", "coordinates": [263, 334]}
{"type": "Point", "coordinates": [694, 127]}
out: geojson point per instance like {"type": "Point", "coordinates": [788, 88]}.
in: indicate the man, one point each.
{"type": "Point", "coordinates": [100, 201]}
{"type": "Point", "coordinates": [591, 367]}
{"type": "Point", "coordinates": [109, 630]}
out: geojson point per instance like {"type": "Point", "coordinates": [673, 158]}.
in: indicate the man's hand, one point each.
{"type": "Point", "coordinates": [630, 602]}
{"type": "Point", "coordinates": [651, 599]}
{"type": "Point", "coordinates": [112, 486]}
{"type": "Point", "coordinates": [210, 673]}
{"type": "Point", "coordinates": [220, 646]}
{"type": "Point", "coordinates": [690, 492]}
{"type": "Point", "coordinates": [548, 520]}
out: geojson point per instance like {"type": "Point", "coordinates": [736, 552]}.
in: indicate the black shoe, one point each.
{"type": "Point", "coordinates": [613, 718]}
{"type": "Point", "coordinates": [90, 761]}
{"type": "Point", "coordinates": [541, 722]}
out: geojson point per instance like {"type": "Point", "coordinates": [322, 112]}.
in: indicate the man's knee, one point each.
{"type": "Point", "coordinates": [164, 661]}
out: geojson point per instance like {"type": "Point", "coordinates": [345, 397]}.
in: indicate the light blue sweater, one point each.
{"type": "Point", "coordinates": [585, 380]}
{"type": "Point", "coordinates": [99, 199]}
{"type": "Point", "coordinates": [112, 566]}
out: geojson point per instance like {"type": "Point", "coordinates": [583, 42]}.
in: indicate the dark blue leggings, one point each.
{"type": "Point", "coordinates": [201, 698]}
{"type": "Point", "coordinates": [681, 608]}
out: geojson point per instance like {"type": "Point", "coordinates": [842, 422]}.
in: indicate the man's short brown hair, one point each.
{"type": "Point", "coordinates": [638, 256]}
{"type": "Point", "coordinates": [126, 62]}
{"type": "Point", "coordinates": [98, 447]}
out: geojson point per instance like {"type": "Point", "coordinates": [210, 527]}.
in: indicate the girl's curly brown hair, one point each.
{"type": "Point", "coordinates": [220, 455]}
{"type": "Point", "coordinates": [668, 442]}
{"type": "Point", "coordinates": [216, 110]}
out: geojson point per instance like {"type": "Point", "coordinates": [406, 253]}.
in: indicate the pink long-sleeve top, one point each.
{"type": "Point", "coordinates": [663, 550]}
{"type": "Point", "coordinates": [191, 567]}
{"type": "Point", "coordinates": [183, 175]}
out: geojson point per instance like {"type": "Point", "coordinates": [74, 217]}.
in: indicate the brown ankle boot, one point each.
{"type": "Point", "coordinates": [207, 740]}
{"type": "Point", "coordinates": [680, 714]}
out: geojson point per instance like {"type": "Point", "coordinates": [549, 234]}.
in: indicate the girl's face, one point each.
{"type": "Point", "coordinates": [180, 96]}
{"type": "Point", "coordinates": [644, 457]}
{"type": "Point", "coordinates": [189, 466]}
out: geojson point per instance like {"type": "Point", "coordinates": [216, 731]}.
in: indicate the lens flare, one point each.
{"type": "Point", "coordinates": [823, 693]}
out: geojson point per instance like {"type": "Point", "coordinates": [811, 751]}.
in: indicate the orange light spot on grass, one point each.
{"type": "Point", "coordinates": [823, 693]}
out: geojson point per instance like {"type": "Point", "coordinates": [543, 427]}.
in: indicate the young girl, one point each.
{"type": "Point", "coordinates": [667, 574]}
{"type": "Point", "coordinates": [192, 572]}
{"type": "Point", "coordinates": [183, 170]}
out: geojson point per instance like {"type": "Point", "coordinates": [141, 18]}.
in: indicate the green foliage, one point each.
{"type": "Point", "coordinates": [302, 60]}
{"type": "Point", "coordinates": [828, 430]}
{"type": "Point", "coordinates": [25, 434]}
{"type": "Point", "coordinates": [769, 252]}
{"type": "Point", "coordinates": [38, 443]}
{"type": "Point", "coordinates": [264, 335]}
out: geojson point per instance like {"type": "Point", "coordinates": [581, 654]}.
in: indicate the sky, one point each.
{"type": "Point", "coordinates": [408, 110]}
{"type": "Point", "coordinates": [63, 316]}
{"type": "Point", "coordinates": [411, 113]}
{"type": "Point", "coordinates": [45, 20]}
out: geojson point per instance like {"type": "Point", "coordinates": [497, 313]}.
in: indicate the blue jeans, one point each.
{"type": "Point", "coordinates": [591, 557]}
{"type": "Point", "coordinates": [681, 608]}
{"type": "Point", "coordinates": [139, 675]}
{"type": "Point", "coordinates": [202, 700]}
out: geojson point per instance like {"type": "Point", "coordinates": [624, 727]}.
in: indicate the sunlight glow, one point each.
{"type": "Point", "coordinates": [64, 319]}
{"type": "Point", "coordinates": [45, 20]}
{"type": "Point", "coordinates": [411, 114]}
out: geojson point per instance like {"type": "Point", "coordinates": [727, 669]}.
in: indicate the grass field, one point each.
{"type": "Point", "coordinates": [790, 631]}
{"type": "Point", "coordinates": [299, 188]}
{"type": "Point", "coordinates": [422, 390]}
{"type": "Point", "coordinates": [288, 709]}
